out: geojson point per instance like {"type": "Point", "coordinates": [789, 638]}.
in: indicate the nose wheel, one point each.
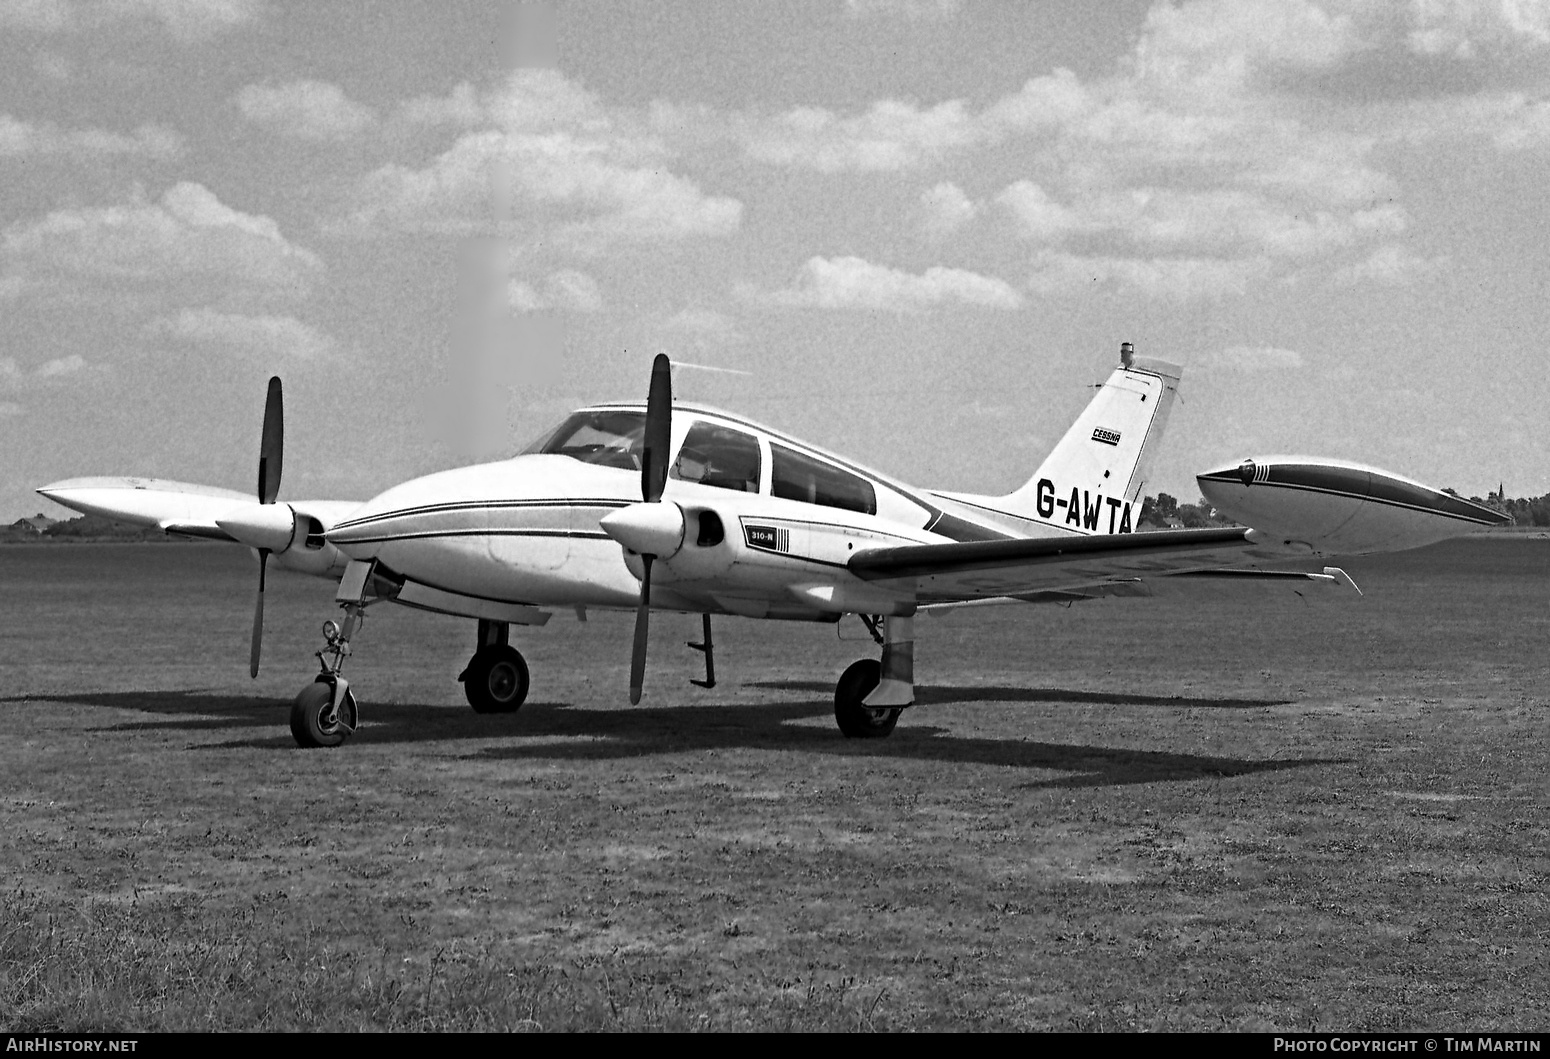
{"type": "Point", "coordinates": [325, 712]}
{"type": "Point", "coordinates": [496, 680]}
{"type": "Point", "coordinates": [318, 720]}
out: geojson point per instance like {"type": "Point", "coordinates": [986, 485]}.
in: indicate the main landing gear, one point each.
{"type": "Point", "coordinates": [496, 679]}
{"type": "Point", "coordinates": [870, 694]}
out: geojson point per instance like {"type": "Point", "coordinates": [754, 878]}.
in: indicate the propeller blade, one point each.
{"type": "Point", "coordinates": [258, 615]}
{"type": "Point", "coordinates": [271, 450]}
{"type": "Point", "coordinates": [659, 430]}
{"type": "Point", "coordinates": [642, 620]}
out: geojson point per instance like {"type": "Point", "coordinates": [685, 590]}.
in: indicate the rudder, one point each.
{"type": "Point", "coordinates": [1092, 481]}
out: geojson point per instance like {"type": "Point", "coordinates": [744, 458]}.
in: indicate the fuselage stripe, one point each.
{"type": "Point", "coordinates": [432, 534]}
{"type": "Point", "coordinates": [482, 505]}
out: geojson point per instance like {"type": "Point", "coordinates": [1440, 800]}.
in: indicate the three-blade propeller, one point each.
{"type": "Point", "coordinates": [271, 454]}
{"type": "Point", "coordinates": [653, 479]}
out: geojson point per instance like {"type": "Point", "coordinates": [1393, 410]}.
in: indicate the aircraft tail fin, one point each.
{"type": "Point", "coordinates": [1092, 481]}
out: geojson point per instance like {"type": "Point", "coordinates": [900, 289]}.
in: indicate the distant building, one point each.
{"type": "Point", "coordinates": [36, 524]}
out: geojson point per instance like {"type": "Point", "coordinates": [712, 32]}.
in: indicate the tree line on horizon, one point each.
{"type": "Point", "coordinates": [79, 529]}
{"type": "Point", "coordinates": [1164, 512]}
{"type": "Point", "coordinates": [1525, 511]}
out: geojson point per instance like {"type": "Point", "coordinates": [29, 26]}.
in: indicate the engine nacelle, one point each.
{"type": "Point", "coordinates": [704, 552]}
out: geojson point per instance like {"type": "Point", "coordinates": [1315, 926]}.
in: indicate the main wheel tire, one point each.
{"type": "Point", "coordinates": [309, 725]}
{"type": "Point", "coordinates": [855, 718]}
{"type": "Point", "coordinates": [496, 680]}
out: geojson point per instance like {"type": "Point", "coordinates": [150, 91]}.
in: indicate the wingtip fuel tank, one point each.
{"type": "Point", "coordinates": [1340, 507]}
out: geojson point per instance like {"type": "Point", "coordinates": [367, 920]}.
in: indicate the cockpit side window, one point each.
{"type": "Point", "coordinates": [718, 456]}
{"type": "Point", "coordinates": [611, 437]}
{"type": "Point", "coordinates": [798, 477]}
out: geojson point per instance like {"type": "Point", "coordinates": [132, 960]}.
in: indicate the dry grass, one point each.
{"type": "Point", "coordinates": [1111, 817]}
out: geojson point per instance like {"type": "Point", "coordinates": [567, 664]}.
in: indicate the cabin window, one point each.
{"type": "Point", "coordinates": [613, 438]}
{"type": "Point", "coordinates": [799, 477]}
{"type": "Point", "coordinates": [718, 456]}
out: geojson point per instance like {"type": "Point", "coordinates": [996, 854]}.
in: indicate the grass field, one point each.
{"type": "Point", "coordinates": [1121, 815]}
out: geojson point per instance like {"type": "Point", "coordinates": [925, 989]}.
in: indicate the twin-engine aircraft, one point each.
{"type": "Point", "coordinates": [682, 507]}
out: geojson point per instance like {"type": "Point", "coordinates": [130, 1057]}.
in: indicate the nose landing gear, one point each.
{"type": "Point", "coordinates": [325, 713]}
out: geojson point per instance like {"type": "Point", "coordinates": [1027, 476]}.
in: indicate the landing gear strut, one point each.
{"type": "Point", "coordinates": [496, 679]}
{"type": "Point", "coordinates": [325, 713]}
{"type": "Point", "coordinates": [870, 694]}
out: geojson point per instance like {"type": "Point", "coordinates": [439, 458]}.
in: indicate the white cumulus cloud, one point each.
{"type": "Point", "coordinates": [565, 289]}
{"type": "Point", "coordinates": [188, 21]}
{"type": "Point", "coordinates": [891, 135]}
{"type": "Point", "coordinates": [911, 10]}
{"type": "Point", "coordinates": [14, 377]}
{"type": "Point", "coordinates": [557, 156]}
{"type": "Point", "coordinates": [62, 366]}
{"type": "Point", "coordinates": [267, 337]}
{"type": "Point", "coordinates": [310, 110]}
{"type": "Point", "coordinates": [945, 208]}
{"type": "Point", "coordinates": [1177, 279]}
{"type": "Point", "coordinates": [188, 232]}
{"type": "Point", "coordinates": [28, 139]}
{"type": "Point", "coordinates": [1038, 216]}
{"type": "Point", "coordinates": [461, 108]}
{"type": "Point", "coordinates": [1390, 265]}
{"type": "Point", "coordinates": [854, 283]}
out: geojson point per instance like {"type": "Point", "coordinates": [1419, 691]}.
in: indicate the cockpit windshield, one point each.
{"type": "Point", "coordinates": [611, 437]}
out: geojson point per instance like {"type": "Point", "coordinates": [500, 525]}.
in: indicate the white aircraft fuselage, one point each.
{"type": "Point", "coordinates": [530, 530]}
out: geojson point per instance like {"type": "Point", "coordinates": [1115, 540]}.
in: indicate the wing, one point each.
{"type": "Point", "coordinates": [1061, 569]}
{"type": "Point", "coordinates": [174, 507]}
{"type": "Point", "coordinates": [292, 531]}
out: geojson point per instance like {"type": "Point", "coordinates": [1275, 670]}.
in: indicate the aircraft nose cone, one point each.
{"type": "Point", "coordinates": [647, 528]}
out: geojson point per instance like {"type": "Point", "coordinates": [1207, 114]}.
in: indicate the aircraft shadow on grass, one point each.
{"type": "Point", "coordinates": [928, 695]}
{"type": "Point", "coordinates": [559, 732]}
{"type": "Point", "coordinates": [195, 710]}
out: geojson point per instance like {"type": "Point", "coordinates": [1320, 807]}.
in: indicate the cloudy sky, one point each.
{"type": "Point", "coordinates": [915, 231]}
